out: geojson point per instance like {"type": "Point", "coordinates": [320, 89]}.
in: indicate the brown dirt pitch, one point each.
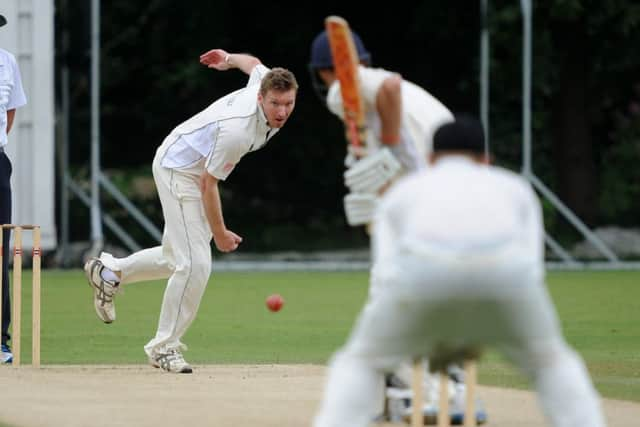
{"type": "Point", "coordinates": [215, 395]}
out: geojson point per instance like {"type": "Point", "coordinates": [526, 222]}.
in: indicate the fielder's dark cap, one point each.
{"type": "Point", "coordinates": [463, 134]}
{"type": "Point", "coordinates": [321, 51]}
{"type": "Point", "coordinates": [3, 21]}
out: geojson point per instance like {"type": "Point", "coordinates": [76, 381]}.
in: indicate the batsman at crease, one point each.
{"type": "Point", "coordinates": [401, 119]}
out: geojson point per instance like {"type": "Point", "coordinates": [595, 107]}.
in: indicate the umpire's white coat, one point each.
{"type": "Point", "coordinates": [460, 250]}
{"type": "Point", "coordinates": [11, 91]}
{"type": "Point", "coordinates": [212, 141]}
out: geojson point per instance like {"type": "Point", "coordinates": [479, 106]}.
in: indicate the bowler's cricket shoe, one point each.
{"type": "Point", "coordinates": [103, 290]}
{"type": "Point", "coordinates": [6, 357]}
{"type": "Point", "coordinates": [170, 361]}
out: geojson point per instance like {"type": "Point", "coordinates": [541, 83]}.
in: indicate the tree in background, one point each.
{"type": "Point", "coordinates": [585, 68]}
{"type": "Point", "coordinates": [585, 65]}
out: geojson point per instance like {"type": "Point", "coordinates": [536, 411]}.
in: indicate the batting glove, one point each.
{"type": "Point", "coordinates": [350, 160]}
{"type": "Point", "coordinates": [359, 208]}
{"type": "Point", "coordinates": [370, 174]}
{"type": "Point", "coordinates": [354, 154]}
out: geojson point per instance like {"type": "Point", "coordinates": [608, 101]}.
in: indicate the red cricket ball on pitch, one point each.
{"type": "Point", "coordinates": [275, 302]}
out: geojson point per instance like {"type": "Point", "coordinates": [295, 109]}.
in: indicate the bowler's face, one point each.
{"type": "Point", "coordinates": [277, 106]}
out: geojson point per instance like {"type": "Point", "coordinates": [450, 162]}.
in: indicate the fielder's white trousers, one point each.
{"type": "Point", "coordinates": [428, 297]}
{"type": "Point", "coordinates": [184, 256]}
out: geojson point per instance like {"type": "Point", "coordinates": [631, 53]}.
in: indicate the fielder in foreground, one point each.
{"type": "Point", "coordinates": [187, 167]}
{"type": "Point", "coordinates": [401, 119]}
{"type": "Point", "coordinates": [461, 253]}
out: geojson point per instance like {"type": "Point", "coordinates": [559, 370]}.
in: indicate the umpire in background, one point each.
{"type": "Point", "coordinates": [11, 97]}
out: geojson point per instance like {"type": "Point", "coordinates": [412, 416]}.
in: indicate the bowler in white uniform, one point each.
{"type": "Point", "coordinates": [187, 167]}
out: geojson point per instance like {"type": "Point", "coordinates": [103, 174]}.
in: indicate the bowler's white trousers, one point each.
{"type": "Point", "coordinates": [429, 297]}
{"type": "Point", "coordinates": [184, 257]}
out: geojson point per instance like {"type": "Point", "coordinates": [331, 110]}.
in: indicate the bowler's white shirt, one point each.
{"type": "Point", "coordinates": [11, 91]}
{"type": "Point", "coordinates": [459, 206]}
{"type": "Point", "coordinates": [222, 133]}
{"type": "Point", "coordinates": [422, 114]}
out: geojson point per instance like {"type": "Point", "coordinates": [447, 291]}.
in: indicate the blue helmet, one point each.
{"type": "Point", "coordinates": [321, 51]}
{"type": "Point", "coordinates": [321, 59]}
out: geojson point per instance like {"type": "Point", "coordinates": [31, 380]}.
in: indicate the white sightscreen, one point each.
{"type": "Point", "coordinates": [29, 35]}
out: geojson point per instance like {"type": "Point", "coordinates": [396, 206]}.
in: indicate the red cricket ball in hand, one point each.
{"type": "Point", "coordinates": [274, 302]}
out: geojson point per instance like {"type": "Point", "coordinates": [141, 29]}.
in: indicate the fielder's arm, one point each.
{"type": "Point", "coordinates": [222, 60]}
{"type": "Point", "coordinates": [225, 240]}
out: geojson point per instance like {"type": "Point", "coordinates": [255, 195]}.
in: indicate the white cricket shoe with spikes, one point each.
{"type": "Point", "coordinates": [103, 290]}
{"type": "Point", "coordinates": [170, 360]}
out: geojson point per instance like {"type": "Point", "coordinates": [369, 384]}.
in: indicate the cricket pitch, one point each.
{"type": "Point", "coordinates": [214, 395]}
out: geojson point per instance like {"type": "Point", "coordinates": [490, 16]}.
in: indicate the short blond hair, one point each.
{"type": "Point", "coordinates": [279, 79]}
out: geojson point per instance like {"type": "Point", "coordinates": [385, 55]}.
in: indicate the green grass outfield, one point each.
{"type": "Point", "coordinates": [600, 313]}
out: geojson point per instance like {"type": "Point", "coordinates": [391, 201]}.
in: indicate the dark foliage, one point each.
{"type": "Point", "coordinates": [289, 195]}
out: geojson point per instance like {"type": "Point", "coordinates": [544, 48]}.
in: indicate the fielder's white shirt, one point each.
{"type": "Point", "coordinates": [459, 206]}
{"type": "Point", "coordinates": [222, 133]}
{"type": "Point", "coordinates": [11, 90]}
{"type": "Point", "coordinates": [422, 114]}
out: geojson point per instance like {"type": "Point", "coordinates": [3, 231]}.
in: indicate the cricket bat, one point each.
{"type": "Point", "coordinates": [345, 62]}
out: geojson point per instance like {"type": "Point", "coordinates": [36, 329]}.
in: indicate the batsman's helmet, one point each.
{"type": "Point", "coordinates": [321, 59]}
{"type": "Point", "coordinates": [321, 51]}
